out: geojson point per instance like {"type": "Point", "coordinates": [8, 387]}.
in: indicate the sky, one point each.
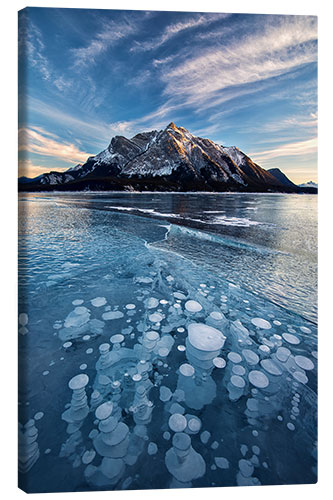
{"type": "Point", "coordinates": [242, 80]}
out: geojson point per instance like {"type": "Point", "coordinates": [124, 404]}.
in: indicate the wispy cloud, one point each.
{"type": "Point", "coordinates": [277, 49]}
{"type": "Point", "coordinates": [110, 34]}
{"type": "Point", "coordinates": [40, 142]}
{"type": "Point", "coordinates": [175, 29]}
{"type": "Point", "coordinates": [293, 149]}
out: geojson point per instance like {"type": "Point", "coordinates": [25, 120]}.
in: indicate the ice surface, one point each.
{"type": "Point", "coordinates": [138, 267]}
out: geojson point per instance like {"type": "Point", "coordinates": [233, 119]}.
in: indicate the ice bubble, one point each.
{"type": "Point", "coordinates": [252, 404]}
{"type": "Point", "coordinates": [170, 278]}
{"type": "Point", "coordinates": [237, 381]}
{"type": "Point", "coordinates": [47, 451]}
{"type": "Point", "coordinates": [155, 317]}
{"type": "Point", "coordinates": [204, 337]}
{"type": "Point", "coordinates": [290, 338]}
{"type": "Point", "coordinates": [89, 351]}
{"type": "Point", "coordinates": [222, 462]}
{"type": "Point", "coordinates": [152, 448]}
{"type": "Point", "coordinates": [214, 445]}
{"type": "Point", "coordinates": [238, 370]}
{"type": "Point", "coordinates": [282, 354]}
{"type": "Point", "coordinates": [165, 393]}
{"type": "Point", "coordinates": [234, 357]}
{"type": "Point", "coordinates": [219, 362]}
{"type": "Point", "coordinates": [261, 323]}
{"type": "Point", "coordinates": [250, 356]}
{"type": "Point", "coordinates": [137, 377]}
{"type": "Point", "coordinates": [216, 315]}
{"type": "Point", "coordinates": [77, 302]}
{"type": "Point", "coordinates": [45, 373]}
{"type": "Point", "coordinates": [205, 436]}
{"type": "Point", "coordinates": [177, 422]}
{"type": "Point", "coordinates": [277, 323]}
{"type": "Point", "coordinates": [67, 345]}
{"type": "Point", "coordinates": [117, 339]}
{"type": "Point", "coordinates": [152, 302]}
{"type": "Point", "coordinates": [166, 435]}
{"type": "Point", "coordinates": [305, 329]}
{"type": "Point", "coordinates": [38, 415]}
{"type": "Point", "coordinates": [255, 433]}
{"type": "Point", "coordinates": [112, 315]}
{"type": "Point", "coordinates": [256, 449]}
{"type": "Point", "coordinates": [179, 295]}
{"type": "Point", "coordinates": [187, 370]}
{"type": "Point", "coordinates": [300, 377]}
{"type": "Point", "coordinates": [264, 348]}
{"type": "Point", "coordinates": [130, 307]}
{"type": "Point", "coordinates": [83, 366]}
{"type": "Point", "coordinates": [23, 330]}
{"type": "Point", "coordinates": [181, 348]}
{"type": "Point", "coordinates": [23, 319]}
{"type": "Point", "coordinates": [104, 410]}
{"type": "Point", "coordinates": [270, 367]}
{"type": "Point", "coordinates": [163, 352]}
{"type": "Point", "coordinates": [246, 467]}
{"type": "Point", "coordinates": [98, 301]}
{"type": "Point", "coordinates": [304, 362]}
{"type": "Point", "coordinates": [78, 382]}
{"type": "Point", "coordinates": [258, 379]}
{"type": "Point", "coordinates": [177, 408]}
{"type": "Point", "coordinates": [181, 329]}
{"type": "Point", "coordinates": [194, 424]}
{"type": "Point", "coordinates": [290, 426]}
{"type": "Point", "coordinates": [193, 306]}
{"type": "Point", "coordinates": [88, 456]}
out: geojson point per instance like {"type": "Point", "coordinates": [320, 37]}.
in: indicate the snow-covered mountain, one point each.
{"type": "Point", "coordinates": [172, 159]}
{"type": "Point", "coordinates": [309, 184]}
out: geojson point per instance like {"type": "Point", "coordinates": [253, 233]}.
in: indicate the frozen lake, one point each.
{"type": "Point", "coordinates": [101, 266]}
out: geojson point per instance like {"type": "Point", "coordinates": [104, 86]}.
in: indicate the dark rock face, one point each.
{"type": "Point", "coordinates": [169, 160]}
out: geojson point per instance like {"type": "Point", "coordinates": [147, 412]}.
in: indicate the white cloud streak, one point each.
{"type": "Point", "coordinates": [40, 142]}
{"type": "Point", "coordinates": [293, 149]}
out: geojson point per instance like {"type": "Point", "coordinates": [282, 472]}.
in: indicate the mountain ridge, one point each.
{"type": "Point", "coordinates": [171, 159]}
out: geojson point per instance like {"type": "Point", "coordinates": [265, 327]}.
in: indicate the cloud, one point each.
{"type": "Point", "coordinates": [110, 34]}
{"type": "Point", "coordinates": [40, 142]}
{"type": "Point", "coordinates": [293, 149]}
{"type": "Point", "coordinates": [273, 51]}
{"type": "Point", "coordinates": [173, 30]}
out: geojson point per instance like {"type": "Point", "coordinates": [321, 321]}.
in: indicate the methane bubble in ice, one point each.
{"type": "Point", "coordinates": [204, 337]}
{"type": "Point", "coordinates": [193, 306]}
{"type": "Point", "coordinates": [300, 377]}
{"type": "Point", "coordinates": [77, 302]}
{"type": "Point", "coordinates": [88, 456]}
{"type": "Point", "coordinates": [237, 381]}
{"type": "Point", "coordinates": [222, 462]}
{"type": "Point", "coordinates": [155, 317]}
{"type": "Point", "coordinates": [112, 315]}
{"type": "Point", "coordinates": [177, 422]}
{"type": "Point", "coordinates": [186, 370]}
{"type": "Point", "coordinates": [270, 367]}
{"type": "Point", "coordinates": [152, 303]}
{"type": "Point", "coordinates": [216, 315]}
{"type": "Point", "coordinates": [219, 362]}
{"type": "Point", "coordinates": [305, 329]}
{"type": "Point", "coordinates": [290, 338]}
{"type": "Point", "coordinates": [130, 306]}
{"type": "Point", "coordinates": [23, 319]}
{"type": "Point", "coordinates": [251, 357]}
{"type": "Point", "coordinates": [282, 354]}
{"type": "Point", "coordinates": [98, 301]}
{"type": "Point", "coordinates": [67, 345]}
{"type": "Point", "coordinates": [261, 323]}
{"type": "Point", "coordinates": [165, 393]}
{"type": "Point", "coordinates": [194, 424]}
{"type": "Point", "coordinates": [258, 379]}
{"type": "Point", "coordinates": [152, 448]}
{"type": "Point", "coordinates": [181, 348]}
{"type": "Point", "coordinates": [304, 362]}
{"type": "Point", "coordinates": [277, 323]}
{"type": "Point", "coordinates": [234, 357]}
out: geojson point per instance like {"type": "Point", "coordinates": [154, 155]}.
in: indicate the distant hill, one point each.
{"type": "Point", "coordinates": [167, 160]}
{"type": "Point", "coordinates": [309, 184]}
